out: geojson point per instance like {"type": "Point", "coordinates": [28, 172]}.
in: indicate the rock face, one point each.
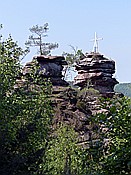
{"type": "Point", "coordinates": [50, 67]}
{"type": "Point", "coordinates": [96, 71]}
{"type": "Point", "coordinates": [76, 106]}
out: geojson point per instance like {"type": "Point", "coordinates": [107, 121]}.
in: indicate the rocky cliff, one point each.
{"type": "Point", "coordinates": [76, 106]}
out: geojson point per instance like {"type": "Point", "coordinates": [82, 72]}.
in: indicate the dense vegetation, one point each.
{"type": "Point", "coordinates": [115, 136]}
{"type": "Point", "coordinates": [29, 147]}
{"type": "Point", "coordinates": [25, 115]}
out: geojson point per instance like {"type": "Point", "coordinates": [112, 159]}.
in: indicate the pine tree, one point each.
{"type": "Point", "coordinates": [36, 39]}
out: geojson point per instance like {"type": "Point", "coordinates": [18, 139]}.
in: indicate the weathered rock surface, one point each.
{"type": "Point", "coordinates": [75, 106]}
{"type": "Point", "coordinates": [98, 71]}
{"type": "Point", "coordinates": [50, 67]}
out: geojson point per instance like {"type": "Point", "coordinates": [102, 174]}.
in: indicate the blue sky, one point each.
{"type": "Point", "coordinates": [73, 22]}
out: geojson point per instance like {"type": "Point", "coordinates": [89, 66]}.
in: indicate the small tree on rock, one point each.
{"type": "Point", "coordinates": [72, 59]}
{"type": "Point", "coordinates": [39, 32]}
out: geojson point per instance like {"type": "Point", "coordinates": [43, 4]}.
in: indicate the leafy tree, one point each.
{"type": "Point", "coordinates": [72, 59]}
{"type": "Point", "coordinates": [115, 136]}
{"type": "Point", "coordinates": [63, 154]}
{"type": "Point", "coordinates": [25, 115]}
{"type": "Point", "coordinates": [109, 153]}
{"type": "Point", "coordinates": [37, 39]}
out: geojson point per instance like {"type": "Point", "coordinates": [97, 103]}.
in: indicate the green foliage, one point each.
{"type": "Point", "coordinates": [25, 115]}
{"type": "Point", "coordinates": [37, 39]}
{"type": "Point", "coordinates": [87, 92]}
{"type": "Point", "coordinates": [63, 154]}
{"type": "Point", "coordinates": [84, 96]}
{"type": "Point", "coordinates": [72, 59]}
{"type": "Point", "coordinates": [115, 134]}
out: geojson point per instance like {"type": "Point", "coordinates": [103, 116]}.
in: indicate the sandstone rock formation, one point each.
{"type": "Point", "coordinates": [97, 71]}
{"type": "Point", "coordinates": [50, 67]}
{"type": "Point", "coordinates": [75, 106]}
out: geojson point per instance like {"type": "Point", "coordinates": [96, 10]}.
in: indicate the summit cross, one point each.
{"type": "Point", "coordinates": [95, 46]}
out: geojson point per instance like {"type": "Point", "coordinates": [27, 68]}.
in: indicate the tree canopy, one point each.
{"type": "Point", "coordinates": [25, 115]}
